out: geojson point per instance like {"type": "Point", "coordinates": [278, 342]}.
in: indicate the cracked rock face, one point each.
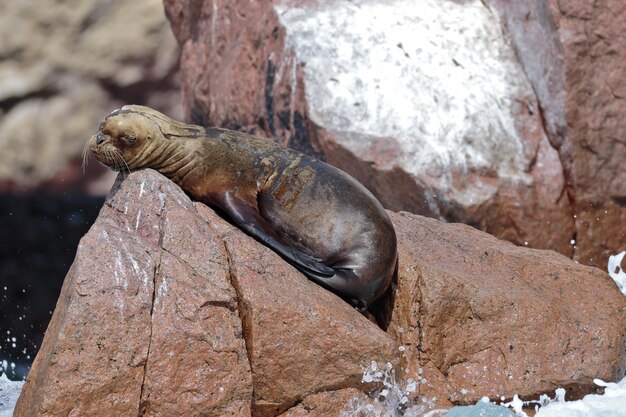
{"type": "Point", "coordinates": [573, 55]}
{"type": "Point", "coordinates": [496, 114]}
{"type": "Point", "coordinates": [483, 317]}
{"type": "Point", "coordinates": [169, 310]}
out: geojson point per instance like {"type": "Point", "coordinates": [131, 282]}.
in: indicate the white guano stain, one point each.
{"type": "Point", "coordinates": [213, 23]}
{"type": "Point", "coordinates": [137, 270]}
{"type": "Point", "coordinates": [119, 274]}
{"type": "Point", "coordinates": [137, 220]}
{"type": "Point", "coordinates": [162, 290]}
{"type": "Point", "coordinates": [162, 199]}
{"type": "Point", "coordinates": [436, 75]}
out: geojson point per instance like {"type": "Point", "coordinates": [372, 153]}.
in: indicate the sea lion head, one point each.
{"type": "Point", "coordinates": [124, 135]}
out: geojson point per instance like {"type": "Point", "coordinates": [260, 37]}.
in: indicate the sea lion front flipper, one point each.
{"type": "Point", "coordinates": [247, 217]}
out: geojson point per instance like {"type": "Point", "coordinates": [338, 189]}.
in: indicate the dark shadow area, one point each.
{"type": "Point", "coordinates": [39, 236]}
{"type": "Point", "coordinates": [382, 308]}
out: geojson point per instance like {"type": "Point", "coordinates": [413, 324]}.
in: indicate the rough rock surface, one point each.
{"type": "Point", "coordinates": [465, 121]}
{"type": "Point", "coordinates": [483, 317]}
{"type": "Point", "coordinates": [327, 404]}
{"type": "Point", "coordinates": [443, 123]}
{"type": "Point", "coordinates": [169, 310]}
{"type": "Point", "coordinates": [147, 319]}
{"type": "Point", "coordinates": [572, 52]}
{"type": "Point", "coordinates": [63, 66]}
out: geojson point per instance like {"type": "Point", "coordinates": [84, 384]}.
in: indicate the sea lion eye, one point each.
{"type": "Point", "coordinates": [128, 139]}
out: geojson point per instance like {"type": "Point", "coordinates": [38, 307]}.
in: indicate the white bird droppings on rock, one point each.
{"type": "Point", "coordinates": [424, 75]}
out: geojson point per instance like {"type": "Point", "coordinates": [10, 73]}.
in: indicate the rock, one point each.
{"type": "Point", "coordinates": [483, 317]}
{"type": "Point", "coordinates": [489, 124]}
{"type": "Point", "coordinates": [147, 320]}
{"type": "Point", "coordinates": [169, 310]}
{"type": "Point", "coordinates": [55, 89]}
{"type": "Point", "coordinates": [452, 130]}
{"type": "Point", "coordinates": [44, 136]}
{"type": "Point", "coordinates": [572, 54]}
{"type": "Point", "coordinates": [333, 403]}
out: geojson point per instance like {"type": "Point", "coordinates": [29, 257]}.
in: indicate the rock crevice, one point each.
{"type": "Point", "coordinates": [246, 325]}
{"type": "Point", "coordinates": [142, 406]}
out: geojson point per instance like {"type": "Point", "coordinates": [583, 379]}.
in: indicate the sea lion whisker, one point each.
{"type": "Point", "coordinates": [121, 159]}
{"type": "Point", "coordinates": [116, 161]}
{"type": "Point", "coordinates": [107, 155]}
{"type": "Point", "coordinates": [121, 163]}
{"type": "Point", "coordinates": [86, 153]}
{"type": "Point", "coordinates": [112, 157]}
{"type": "Point", "coordinates": [118, 166]}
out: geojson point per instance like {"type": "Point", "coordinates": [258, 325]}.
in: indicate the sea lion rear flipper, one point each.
{"type": "Point", "coordinates": [247, 217]}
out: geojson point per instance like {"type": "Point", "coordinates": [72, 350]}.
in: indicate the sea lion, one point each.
{"type": "Point", "coordinates": [314, 215]}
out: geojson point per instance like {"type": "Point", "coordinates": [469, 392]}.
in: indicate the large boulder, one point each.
{"type": "Point", "coordinates": [473, 111]}
{"type": "Point", "coordinates": [482, 317]}
{"type": "Point", "coordinates": [147, 319]}
{"type": "Point", "coordinates": [169, 310]}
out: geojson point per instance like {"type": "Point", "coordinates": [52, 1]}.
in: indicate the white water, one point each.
{"type": "Point", "coordinates": [611, 404]}
{"type": "Point", "coordinates": [616, 271]}
{"type": "Point", "coordinates": [9, 391]}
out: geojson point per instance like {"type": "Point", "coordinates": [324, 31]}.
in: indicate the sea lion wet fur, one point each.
{"type": "Point", "coordinates": [316, 216]}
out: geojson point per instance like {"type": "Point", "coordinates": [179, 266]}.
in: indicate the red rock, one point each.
{"type": "Point", "coordinates": [241, 68]}
{"type": "Point", "coordinates": [170, 310]}
{"type": "Point", "coordinates": [330, 403]}
{"type": "Point", "coordinates": [147, 319]}
{"type": "Point", "coordinates": [572, 54]}
{"type": "Point", "coordinates": [496, 320]}
{"type": "Point", "coordinates": [301, 339]}
{"type": "Point", "coordinates": [150, 319]}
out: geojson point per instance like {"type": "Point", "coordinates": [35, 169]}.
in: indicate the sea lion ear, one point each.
{"type": "Point", "coordinates": [115, 112]}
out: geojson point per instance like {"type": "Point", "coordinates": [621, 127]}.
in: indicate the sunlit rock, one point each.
{"type": "Point", "coordinates": [482, 317]}
{"type": "Point", "coordinates": [170, 310]}
{"type": "Point", "coordinates": [427, 106]}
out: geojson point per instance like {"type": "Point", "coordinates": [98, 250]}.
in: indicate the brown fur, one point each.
{"type": "Point", "coordinates": [316, 216]}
